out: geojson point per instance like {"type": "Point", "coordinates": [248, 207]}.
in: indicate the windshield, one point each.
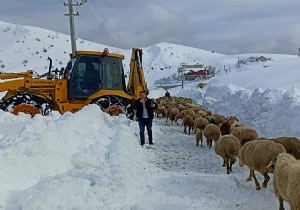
{"type": "Point", "coordinates": [91, 74]}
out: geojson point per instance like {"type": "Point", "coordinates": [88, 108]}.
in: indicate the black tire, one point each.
{"type": "Point", "coordinates": [108, 101]}
{"type": "Point", "coordinates": [9, 104]}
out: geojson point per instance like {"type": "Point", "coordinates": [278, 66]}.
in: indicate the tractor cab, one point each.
{"type": "Point", "coordinates": [89, 72]}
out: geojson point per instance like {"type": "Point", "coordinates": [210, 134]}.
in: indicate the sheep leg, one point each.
{"type": "Point", "coordinates": [201, 141]}
{"type": "Point", "coordinates": [249, 177]}
{"type": "Point", "coordinates": [223, 163]}
{"type": "Point", "coordinates": [190, 130]}
{"type": "Point", "coordinates": [210, 143]}
{"type": "Point", "coordinates": [184, 131]}
{"type": "Point", "coordinates": [226, 161]}
{"type": "Point", "coordinates": [255, 180]}
{"type": "Point", "coordinates": [281, 207]}
{"type": "Point", "coordinates": [230, 165]}
{"type": "Point", "coordinates": [265, 183]}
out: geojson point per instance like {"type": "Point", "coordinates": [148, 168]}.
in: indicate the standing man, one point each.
{"type": "Point", "coordinates": [167, 94]}
{"type": "Point", "coordinates": [143, 111]}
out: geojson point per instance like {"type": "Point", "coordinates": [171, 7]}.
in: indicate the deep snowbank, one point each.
{"type": "Point", "coordinates": [272, 112]}
{"type": "Point", "coordinates": [43, 157]}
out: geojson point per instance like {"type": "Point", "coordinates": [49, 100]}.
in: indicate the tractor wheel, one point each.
{"type": "Point", "coordinates": [115, 105]}
{"type": "Point", "coordinates": [27, 104]}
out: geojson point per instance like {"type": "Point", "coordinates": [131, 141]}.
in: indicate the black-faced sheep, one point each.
{"type": "Point", "coordinates": [228, 147]}
{"type": "Point", "coordinates": [198, 136]}
{"type": "Point", "coordinates": [226, 124]}
{"type": "Point", "coordinates": [257, 154]}
{"type": "Point", "coordinates": [245, 134]}
{"type": "Point", "coordinates": [210, 119]}
{"type": "Point", "coordinates": [286, 180]}
{"type": "Point", "coordinates": [211, 132]}
{"type": "Point", "coordinates": [188, 122]}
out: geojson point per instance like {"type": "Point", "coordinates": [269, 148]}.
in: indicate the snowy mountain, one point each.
{"type": "Point", "coordinates": [26, 47]}
{"type": "Point", "coordinates": [89, 160]}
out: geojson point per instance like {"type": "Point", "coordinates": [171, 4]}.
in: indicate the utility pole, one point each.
{"type": "Point", "coordinates": [72, 23]}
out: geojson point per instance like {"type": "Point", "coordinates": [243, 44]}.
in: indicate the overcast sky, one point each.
{"type": "Point", "coordinates": [225, 26]}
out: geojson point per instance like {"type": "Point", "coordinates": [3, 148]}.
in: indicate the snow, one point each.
{"type": "Point", "coordinates": [89, 160]}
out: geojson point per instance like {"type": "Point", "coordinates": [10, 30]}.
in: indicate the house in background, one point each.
{"type": "Point", "coordinates": [196, 71]}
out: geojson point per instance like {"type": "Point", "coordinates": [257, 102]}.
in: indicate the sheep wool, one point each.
{"type": "Point", "coordinates": [211, 132]}
{"type": "Point", "coordinates": [227, 147]}
{"type": "Point", "coordinates": [257, 154]}
{"type": "Point", "coordinates": [286, 180]}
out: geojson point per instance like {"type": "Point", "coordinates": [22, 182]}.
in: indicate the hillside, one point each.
{"type": "Point", "coordinates": [26, 47]}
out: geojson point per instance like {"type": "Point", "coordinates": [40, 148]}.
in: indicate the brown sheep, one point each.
{"type": "Point", "coordinates": [209, 112]}
{"type": "Point", "coordinates": [172, 115]}
{"type": "Point", "coordinates": [245, 134]}
{"type": "Point", "coordinates": [202, 113]}
{"type": "Point", "coordinates": [228, 147]}
{"type": "Point", "coordinates": [211, 132]}
{"type": "Point", "coordinates": [235, 125]}
{"type": "Point", "coordinates": [161, 111]}
{"type": "Point", "coordinates": [196, 116]}
{"type": "Point", "coordinates": [200, 123]}
{"type": "Point", "coordinates": [168, 112]}
{"type": "Point", "coordinates": [180, 115]}
{"type": "Point", "coordinates": [181, 107]}
{"type": "Point", "coordinates": [218, 119]}
{"type": "Point", "coordinates": [226, 124]}
{"type": "Point", "coordinates": [286, 180]}
{"type": "Point", "coordinates": [291, 145]}
{"type": "Point", "coordinates": [257, 154]}
{"type": "Point", "coordinates": [187, 121]}
{"type": "Point", "coordinates": [210, 119]}
{"type": "Point", "coordinates": [198, 136]}
{"type": "Point", "coordinates": [189, 111]}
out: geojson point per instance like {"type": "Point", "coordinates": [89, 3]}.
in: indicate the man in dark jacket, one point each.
{"type": "Point", "coordinates": [167, 94]}
{"type": "Point", "coordinates": [143, 110]}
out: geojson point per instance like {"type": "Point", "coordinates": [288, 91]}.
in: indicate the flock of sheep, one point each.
{"type": "Point", "coordinates": [234, 140]}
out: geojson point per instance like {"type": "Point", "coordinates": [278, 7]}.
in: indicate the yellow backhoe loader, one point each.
{"type": "Point", "coordinates": [90, 77]}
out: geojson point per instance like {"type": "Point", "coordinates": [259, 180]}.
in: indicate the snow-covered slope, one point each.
{"type": "Point", "coordinates": [26, 47]}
